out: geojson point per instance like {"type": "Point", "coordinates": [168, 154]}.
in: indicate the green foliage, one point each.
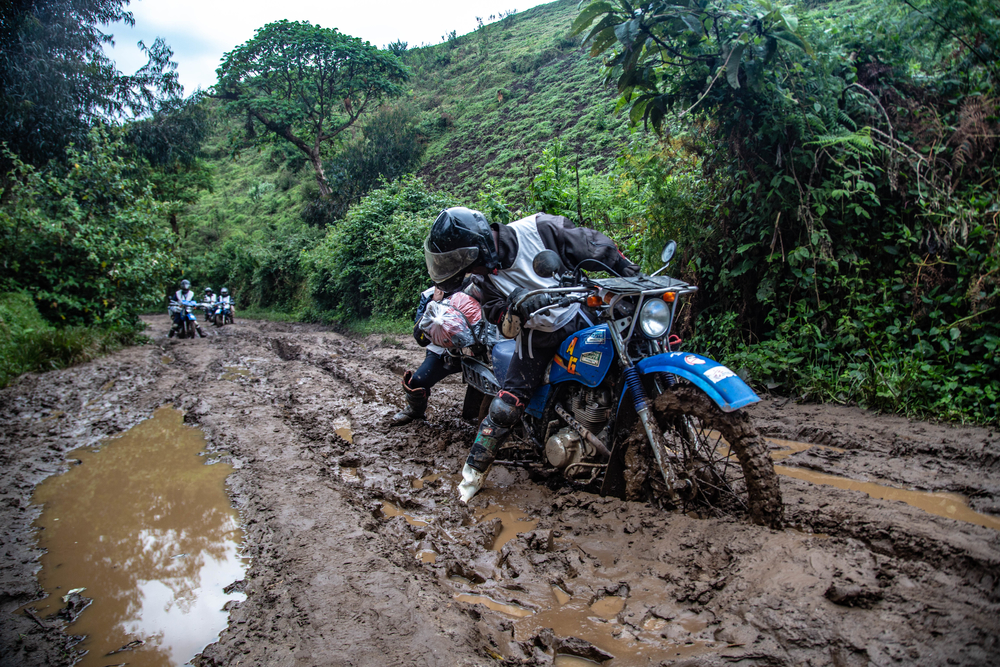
{"type": "Point", "coordinates": [372, 262]}
{"type": "Point", "coordinates": [849, 232]}
{"type": "Point", "coordinates": [56, 81]}
{"type": "Point", "coordinates": [388, 147]}
{"type": "Point", "coordinates": [29, 343]}
{"type": "Point", "coordinates": [305, 84]}
{"type": "Point", "coordinates": [84, 239]}
{"type": "Point", "coordinates": [168, 143]}
{"type": "Point", "coordinates": [264, 269]}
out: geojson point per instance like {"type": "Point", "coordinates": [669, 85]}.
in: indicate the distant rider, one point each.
{"type": "Point", "coordinates": [462, 241]}
{"type": "Point", "coordinates": [226, 299]}
{"type": "Point", "coordinates": [183, 294]}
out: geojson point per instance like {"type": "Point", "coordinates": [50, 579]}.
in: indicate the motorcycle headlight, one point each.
{"type": "Point", "coordinates": [654, 318]}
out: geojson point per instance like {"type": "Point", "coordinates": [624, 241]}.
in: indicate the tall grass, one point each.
{"type": "Point", "coordinates": [30, 344]}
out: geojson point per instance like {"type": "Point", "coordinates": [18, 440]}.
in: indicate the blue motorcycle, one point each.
{"type": "Point", "coordinates": [188, 325]}
{"type": "Point", "coordinates": [625, 413]}
{"type": "Point", "coordinates": [221, 313]}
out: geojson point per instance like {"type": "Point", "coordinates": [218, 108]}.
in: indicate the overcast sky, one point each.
{"type": "Point", "coordinates": [201, 31]}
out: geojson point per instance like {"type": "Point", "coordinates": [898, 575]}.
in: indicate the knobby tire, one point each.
{"type": "Point", "coordinates": [706, 439]}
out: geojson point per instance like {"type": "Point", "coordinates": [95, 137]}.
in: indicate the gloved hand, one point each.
{"type": "Point", "coordinates": [420, 336]}
{"type": "Point", "coordinates": [529, 305]}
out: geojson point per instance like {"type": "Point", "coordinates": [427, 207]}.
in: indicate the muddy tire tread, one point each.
{"type": "Point", "coordinates": [763, 490]}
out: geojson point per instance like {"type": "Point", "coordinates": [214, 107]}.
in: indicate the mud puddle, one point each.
{"type": "Point", "coordinates": [140, 542]}
{"type": "Point", "coordinates": [235, 373]}
{"type": "Point", "coordinates": [342, 427]}
{"type": "Point", "coordinates": [949, 505]}
{"type": "Point", "coordinates": [599, 635]}
{"type": "Point", "coordinates": [513, 522]}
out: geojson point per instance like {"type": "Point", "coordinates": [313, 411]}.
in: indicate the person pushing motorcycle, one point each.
{"type": "Point", "coordinates": [462, 241]}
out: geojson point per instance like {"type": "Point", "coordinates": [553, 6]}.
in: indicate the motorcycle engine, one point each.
{"type": "Point", "coordinates": [590, 407]}
{"type": "Point", "coordinates": [563, 448]}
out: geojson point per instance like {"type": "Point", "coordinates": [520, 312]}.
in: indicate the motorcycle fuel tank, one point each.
{"type": "Point", "coordinates": [584, 357]}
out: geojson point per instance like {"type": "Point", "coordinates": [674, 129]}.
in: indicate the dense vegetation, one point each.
{"type": "Point", "coordinates": [828, 168]}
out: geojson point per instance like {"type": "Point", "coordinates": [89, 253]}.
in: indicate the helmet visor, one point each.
{"type": "Point", "coordinates": [444, 265]}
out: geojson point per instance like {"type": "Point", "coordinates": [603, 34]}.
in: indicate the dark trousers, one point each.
{"type": "Point", "coordinates": [435, 368]}
{"type": "Point", "coordinates": [535, 350]}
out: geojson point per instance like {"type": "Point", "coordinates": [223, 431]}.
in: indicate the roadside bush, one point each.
{"type": "Point", "coordinates": [263, 269]}
{"type": "Point", "coordinates": [29, 343]}
{"type": "Point", "coordinates": [372, 263]}
{"type": "Point", "coordinates": [84, 239]}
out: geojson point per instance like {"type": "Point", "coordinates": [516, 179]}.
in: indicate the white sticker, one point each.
{"type": "Point", "coordinates": [692, 360]}
{"type": "Point", "coordinates": [596, 338]}
{"type": "Point", "coordinates": [717, 374]}
{"type": "Point", "coordinates": [591, 358]}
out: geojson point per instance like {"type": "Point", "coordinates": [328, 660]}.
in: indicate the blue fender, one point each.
{"type": "Point", "coordinates": [721, 384]}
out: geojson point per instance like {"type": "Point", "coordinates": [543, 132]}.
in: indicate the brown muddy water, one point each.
{"type": "Point", "coordinates": [145, 529]}
{"type": "Point", "coordinates": [949, 505]}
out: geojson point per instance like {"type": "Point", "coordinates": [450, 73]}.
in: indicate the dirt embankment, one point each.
{"type": "Point", "coordinates": [342, 534]}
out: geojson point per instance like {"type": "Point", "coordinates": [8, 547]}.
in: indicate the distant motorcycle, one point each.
{"type": "Point", "coordinates": [624, 413]}
{"type": "Point", "coordinates": [188, 321]}
{"type": "Point", "coordinates": [221, 314]}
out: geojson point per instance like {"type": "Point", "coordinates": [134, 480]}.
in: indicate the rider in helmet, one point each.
{"type": "Point", "coordinates": [183, 294]}
{"type": "Point", "coordinates": [462, 241]}
{"type": "Point", "coordinates": [226, 299]}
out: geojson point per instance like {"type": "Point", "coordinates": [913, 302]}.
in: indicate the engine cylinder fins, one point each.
{"type": "Point", "coordinates": [592, 408]}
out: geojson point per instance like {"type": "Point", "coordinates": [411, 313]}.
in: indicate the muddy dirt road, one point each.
{"type": "Point", "coordinates": [361, 554]}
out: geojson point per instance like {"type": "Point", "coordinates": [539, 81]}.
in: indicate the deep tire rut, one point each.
{"type": "Point", "coordinates": [340, 513]}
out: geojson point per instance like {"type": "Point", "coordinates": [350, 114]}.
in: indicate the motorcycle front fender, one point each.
{"type": "Point", "coordinates": [720, 383]}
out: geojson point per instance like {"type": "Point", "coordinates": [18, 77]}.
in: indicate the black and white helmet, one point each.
{"type": "Point", "coordinates": [185, 284]}
{"type": "Point", "coordinates": [460, 240]}
{"type": "Point", "coordinates": [224, 291]}
{"type": "Point", "coordinates": [208, 291]}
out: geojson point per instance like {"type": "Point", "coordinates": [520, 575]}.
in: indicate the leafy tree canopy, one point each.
{"type": "Point", "coordinates": [83, 238]}
{"type": "Point", "coordinates": [306, 84]}
{"type": "Point", "coordinates": [55, 79]}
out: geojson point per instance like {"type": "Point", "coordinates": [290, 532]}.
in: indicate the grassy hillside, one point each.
{"type": "Point", "coordinates": [486, 104]}
{"type": "Point", "coordinates": [492, 99]}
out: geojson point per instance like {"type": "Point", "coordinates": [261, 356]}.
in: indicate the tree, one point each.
{"type": "Point", "coordinates": [83, 238]}
{"type": "Point", "coordinates": [56, 81]}
{"type": "Point", "coordinates": [168, 143]}
{"type": "Point", "coordinates": [306, 84]}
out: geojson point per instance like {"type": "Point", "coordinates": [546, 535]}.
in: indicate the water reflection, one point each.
{"type": "Point", "coordinates": [146, 528]}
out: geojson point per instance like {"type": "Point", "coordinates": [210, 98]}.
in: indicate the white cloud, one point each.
{"type": "Point", "coordinates": [200, 32]}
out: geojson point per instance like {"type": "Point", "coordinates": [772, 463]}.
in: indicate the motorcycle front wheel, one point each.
{"type": "Point", "coordinates": [719, 457]}
{"type": "Point", "coordinates": [219, 320]}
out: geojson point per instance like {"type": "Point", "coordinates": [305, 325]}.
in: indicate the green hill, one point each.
{"type": "Point", "coordinates": [493, 98]}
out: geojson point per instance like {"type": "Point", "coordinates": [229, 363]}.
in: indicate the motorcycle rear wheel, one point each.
{"type": "Point", "coordinates": [720, 455]}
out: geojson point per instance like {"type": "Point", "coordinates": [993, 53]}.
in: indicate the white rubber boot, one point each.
{"type": "Point", "coordinates": [472, 481]}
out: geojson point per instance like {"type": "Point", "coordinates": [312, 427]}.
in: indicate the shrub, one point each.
{"type": "Point", "coordinates": [371, 263]}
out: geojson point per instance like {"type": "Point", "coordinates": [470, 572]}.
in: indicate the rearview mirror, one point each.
{"type": "Point", "coordinates": [547, 263]}
{"type": "Point", "coordinates": [668, 251]}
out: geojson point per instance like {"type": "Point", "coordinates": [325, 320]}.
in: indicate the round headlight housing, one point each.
{"type": "Point", "coordinates": [654, 318]}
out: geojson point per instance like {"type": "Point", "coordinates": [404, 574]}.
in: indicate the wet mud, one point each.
{"type": "Point", "coordinates": [360, 553]}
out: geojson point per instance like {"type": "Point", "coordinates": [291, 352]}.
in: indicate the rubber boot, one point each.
{"type": "Point", "coordinates": [201, 332]}
{"type": "Point", "coordinates": [172, 332]}
{"type": "Point", "coordinates": [484, 450]}
{"type": "Point", "coordinates": [416, 403]}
